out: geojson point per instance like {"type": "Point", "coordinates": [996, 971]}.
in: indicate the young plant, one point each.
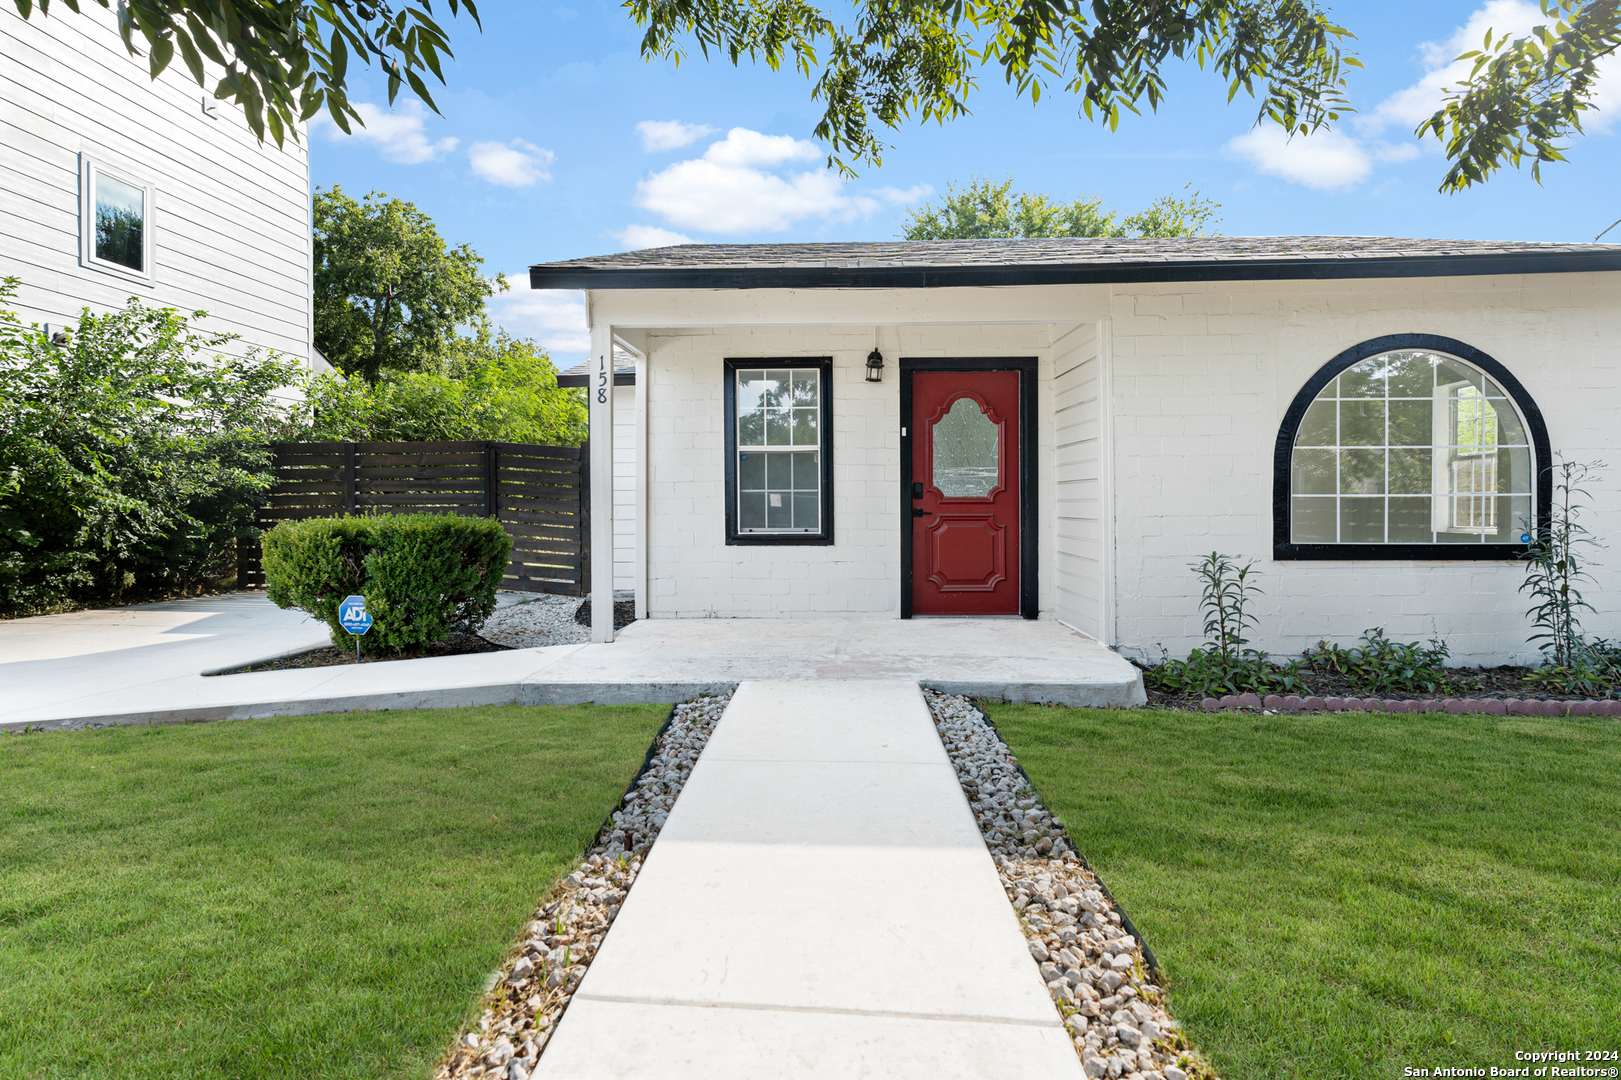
{"type": "Point", "coordinates": [1553, 569]}
{"type": "Point", "coordinates": [1226, 598]}
{"type": "Point", "coordinates": [1222, 665]}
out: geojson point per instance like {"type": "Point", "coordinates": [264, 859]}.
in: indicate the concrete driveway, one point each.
{"type": "Point", "coordinates": [51, 661]}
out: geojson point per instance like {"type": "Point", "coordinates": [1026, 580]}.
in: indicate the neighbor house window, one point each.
{"type": "Point", "coordinates": [117, 221]}
{"type": "Point", "coordinates": [1417, 451]}
{"type": "Point", "coordinates": [778, 472]}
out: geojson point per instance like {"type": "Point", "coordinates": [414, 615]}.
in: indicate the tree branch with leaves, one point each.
{"type": "Point", "coordinates": [284, 61]}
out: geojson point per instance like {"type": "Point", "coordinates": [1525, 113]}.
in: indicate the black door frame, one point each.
{"type": "Point", "coordinates": [1029, 594]}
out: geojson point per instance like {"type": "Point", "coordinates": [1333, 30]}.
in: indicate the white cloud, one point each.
{"type": "Point", "coordinates": [670, 134]}
{"type": "Point", "coordinates": [910, 195]}
{"type": "Point", "coordinates": [649, 236]}
{"type": "Point", "coordinates": [514, 164]}
{"type": "Point", "coordinates": [1326, 160]}
{"type": "Point", "coordinates": [398, 134]}
{"type": "Point", "coordinates": [728, 189]}
{"type": "Point", "coordinates": [1336, 159]}
{"type": "Point", "coordinates": [554, 318]}
{"type": "Point", "coordinates": [1417, 103]}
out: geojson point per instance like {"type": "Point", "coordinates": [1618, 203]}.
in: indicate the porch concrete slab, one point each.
{"type": "Point", "coordinates": [806, 913]}
{"type": "Point", "coordinates": [145, 665]}
{"type": "Point", "coordinates": [1008, 659]}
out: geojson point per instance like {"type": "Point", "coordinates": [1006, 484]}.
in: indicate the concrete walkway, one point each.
{"type": "Point", "coordinates": [144, 664]}
{"type": "Point", "coordinates": [819, 904]}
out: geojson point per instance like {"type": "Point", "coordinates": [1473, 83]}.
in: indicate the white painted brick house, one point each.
{"type": "Point", "coordinates": [1059, 428]}
{"type": "Point", "coordinates": [194, 212]}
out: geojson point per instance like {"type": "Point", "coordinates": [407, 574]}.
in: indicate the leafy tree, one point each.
{"type": "Point", "coordinates": [490, 386]}
{"type": "Point", "coordinates": [389, 292]}
{"type": "Point", "coordinates": [130, 457]}
{"type": "Point", "coordinates": [283, 61]}
{"type": "Point", "coordinates": [894, 60]}
{"type": "Point", "coordinates": [984, 210]}
{"type": "Point", "coordinates": [1524, 95]}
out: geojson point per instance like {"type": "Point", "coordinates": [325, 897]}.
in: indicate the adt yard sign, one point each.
{"type": "Point", "coordinates": [352, 615]}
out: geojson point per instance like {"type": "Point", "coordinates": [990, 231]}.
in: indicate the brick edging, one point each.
{"type": "Point", "coordinates": [1491, 706]}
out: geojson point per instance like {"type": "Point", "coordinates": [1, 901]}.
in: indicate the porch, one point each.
{"type": "Point", "coordinates": [67, 677]}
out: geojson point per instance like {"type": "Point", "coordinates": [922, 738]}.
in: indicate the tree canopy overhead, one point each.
{"type": "Point", "coordinates": [877, 64]}
{"type": "Point", "coordinates": [986, 210]}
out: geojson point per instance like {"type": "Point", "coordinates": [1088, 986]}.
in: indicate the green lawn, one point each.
{"type": "Point", "coordinates": [1346, 896]}
{"type": "Point", "coordinates": [310, 897]}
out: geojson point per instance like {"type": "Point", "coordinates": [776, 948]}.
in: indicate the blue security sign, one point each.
{"type": "Point", "coordinates": [352, 615]}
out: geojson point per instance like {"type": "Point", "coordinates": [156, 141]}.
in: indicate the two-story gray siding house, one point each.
{"type": "Point", "coordinates": [113, 185]}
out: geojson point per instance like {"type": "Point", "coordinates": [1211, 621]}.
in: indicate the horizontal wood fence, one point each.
{"type": "Point", "coordinates": [540, 494]}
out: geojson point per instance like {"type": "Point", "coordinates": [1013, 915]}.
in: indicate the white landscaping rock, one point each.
{"type": "Point", "coordinates": [1115, 1015]}
{"type": "Point", "coordinates": [543, 620]}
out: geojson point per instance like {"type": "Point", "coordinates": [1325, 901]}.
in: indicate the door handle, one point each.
{"type": "Point", "coordinates": [918, 512]}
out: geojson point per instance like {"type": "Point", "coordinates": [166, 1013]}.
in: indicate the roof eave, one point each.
{"type": "Point", "coordinates": [576, 276]}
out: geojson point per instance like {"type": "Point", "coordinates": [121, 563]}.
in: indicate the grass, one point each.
{"type": "Point", "coordinates": [1349, 896]}
{"type": "Point", "coordinates": [310, 897]}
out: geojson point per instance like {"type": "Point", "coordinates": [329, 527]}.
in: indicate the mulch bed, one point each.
{"type": "Point", "coordinates": [1481, 684]}
{"type": "Point", "coordinates": [331, 655]}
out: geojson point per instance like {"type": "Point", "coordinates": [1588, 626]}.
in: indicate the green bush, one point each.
{"type": "Point", "coordinates": [487, 386]}
{"type": "Point", "coordinates": [132, 455]}
{"type": "Point", "coordinates": [423, 576]}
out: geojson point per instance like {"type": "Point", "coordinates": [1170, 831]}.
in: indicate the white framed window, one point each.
{"type": "Point", "coordinates": [778, 467]}
{"type": "Point", "coordinates": [117, 220]}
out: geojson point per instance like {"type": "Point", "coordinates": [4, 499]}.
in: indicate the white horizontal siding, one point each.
{"type": "Point", "coordinates": [232, 225]}
{"type": "Point", "coordinates": [1077, 426]}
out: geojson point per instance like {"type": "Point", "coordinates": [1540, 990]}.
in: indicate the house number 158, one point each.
{"type": "Point", "coordinates": [602, 380]}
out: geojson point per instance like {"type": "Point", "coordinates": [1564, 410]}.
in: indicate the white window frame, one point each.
{"type": "Point", "coordinates": [89, 169]}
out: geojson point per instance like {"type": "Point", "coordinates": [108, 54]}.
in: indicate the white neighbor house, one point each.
{"type": "Point", "coordinates": [1059, 428]}
{"type": "Point", "coordinates": [196, 214]}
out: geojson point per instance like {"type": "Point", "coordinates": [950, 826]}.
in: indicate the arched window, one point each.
{"type": "Point", "coordinates": [1410, 447]}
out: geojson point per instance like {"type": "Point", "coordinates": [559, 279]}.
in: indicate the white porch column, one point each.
{"type": "Point", "coordinates": [601, 391]}
{"type": "Point", "coordinates": [643, 378]}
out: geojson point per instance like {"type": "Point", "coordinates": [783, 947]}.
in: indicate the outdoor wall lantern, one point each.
{"type": "Point", "coordinates": [875, 365]}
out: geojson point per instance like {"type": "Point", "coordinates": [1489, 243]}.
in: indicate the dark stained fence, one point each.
{"type": "Point", "coordinates": [540, 494]}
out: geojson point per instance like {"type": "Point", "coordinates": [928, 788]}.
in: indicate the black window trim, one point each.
{"type": "Point", "coordinates": [732, 365]}
{"type": "Point", "coordinates": [1283, 549]}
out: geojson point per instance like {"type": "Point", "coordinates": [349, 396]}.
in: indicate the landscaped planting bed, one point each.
{"type": "Point", "coordinates": [316, 896]}
{"type": "Point", "coordinates": [1350, 895]}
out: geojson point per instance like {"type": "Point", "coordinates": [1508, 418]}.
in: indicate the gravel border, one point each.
{"type": "Point", "coordinates": [527, 997]}
{"type": "Point", "coordinates": [1101, 975]}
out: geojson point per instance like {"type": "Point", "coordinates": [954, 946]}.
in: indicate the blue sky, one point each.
{"type": "Point", "coordinates": [558, 140]}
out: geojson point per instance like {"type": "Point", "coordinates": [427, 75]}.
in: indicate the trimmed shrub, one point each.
{"type": "Point", "coordinates": [422, 575]}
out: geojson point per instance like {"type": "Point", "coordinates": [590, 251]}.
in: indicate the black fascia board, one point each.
{"type": "Point", "coordinates": [552, 276]}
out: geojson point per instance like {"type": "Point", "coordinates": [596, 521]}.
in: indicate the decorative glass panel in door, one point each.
{"type": "Point", "coordinates": [965, 458]}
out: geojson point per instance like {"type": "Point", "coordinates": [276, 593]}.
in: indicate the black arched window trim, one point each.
{"type": "Point", "coordinates": [1282, 548]}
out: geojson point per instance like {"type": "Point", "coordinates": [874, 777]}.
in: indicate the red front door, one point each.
{"type": "Point", "coordinates": [965, 474]}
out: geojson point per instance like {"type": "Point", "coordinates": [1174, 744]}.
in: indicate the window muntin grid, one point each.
{"type": "Point", "coordinates": [1411, 447]}
{"type": "Point", "coordinates": [779, 425]}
